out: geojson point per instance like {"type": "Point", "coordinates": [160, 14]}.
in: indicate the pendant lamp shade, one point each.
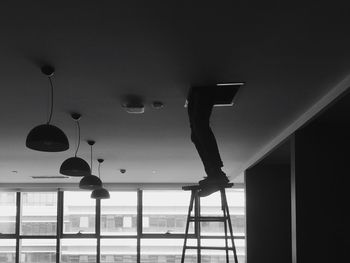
{"type": "Point", "coordinates": [90, 182]}
{"type": "Point", "coordinates": [47, 138]}
{"type": "Point", "coordinates": [75, 166]}
{"type": "Point", "coordinates": [101, 193]}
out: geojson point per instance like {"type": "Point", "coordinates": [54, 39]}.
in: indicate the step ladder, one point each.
{"type": "Point", "coordinates": [197, 219]}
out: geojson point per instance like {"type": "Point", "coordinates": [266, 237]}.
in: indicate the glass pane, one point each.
{"type": "Point", "coordinates": [219, 256]}
{"type": "Point", "coordinates": [211, 206]}
{"type": "Point", "coordinates": [7, 250]}
{"type": "Point", "coordinates": [118, 250]}
{"type": "Point", "coordinates": [165, 211]}
{"type": "Point", "coordinates": [79, 213]}
{"type": "Point", "coordinates": [165, 250]}
{"type": "Point", "coordinates": [118, 214]}
{"type": "Point", "coordinates": [38, 251]}
{"type": "Point", "coordinates": [8, 213]}
{"type": "Point", "coordinates": [39, 213]}
{"type": "Point", "coordinates": [78, 250]}
{"type": "Point", "coordinates": [170, 250]}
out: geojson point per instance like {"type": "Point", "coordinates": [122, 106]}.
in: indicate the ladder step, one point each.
{"type": "Point", "coordinates": [209, 248]}
{"type": "Point", "coordinates": [197, 187]}
{"type": "Point", "coordinates": [208, 218]}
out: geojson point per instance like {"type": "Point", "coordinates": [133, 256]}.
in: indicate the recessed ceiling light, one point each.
{"type": "Point", "coordinates": [50, 177]}
{"type": "Point", "coordinates": [230, 84]}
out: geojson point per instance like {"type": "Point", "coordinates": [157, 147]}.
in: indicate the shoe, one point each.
{"type": "Point", "coordinates": [211, 185]}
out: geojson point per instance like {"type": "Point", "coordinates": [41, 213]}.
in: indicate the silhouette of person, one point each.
{"type": "Point", "coordinates": [200, 105]}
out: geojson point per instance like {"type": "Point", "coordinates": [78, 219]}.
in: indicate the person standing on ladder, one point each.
{"type": "Point", "coordinates": [200, 105]}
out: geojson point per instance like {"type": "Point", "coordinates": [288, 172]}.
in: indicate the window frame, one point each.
{"type": "Point", "coordinates": [97, 235]}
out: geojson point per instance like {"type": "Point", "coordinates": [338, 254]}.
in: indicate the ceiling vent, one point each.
{"type": "Point", "coordinates": [224, 94]}
{"type": "Point", "coordinates": [50, 177]}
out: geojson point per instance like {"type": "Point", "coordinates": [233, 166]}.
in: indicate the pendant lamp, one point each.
{"type": "Point", "coordinates": [100, 193]}
{"type": "Point", "coordinates": [90, 182]}
{"type": "Point", "coordinates": [75, 166]}
{"type": "Point", "coordinates": [47, 137]}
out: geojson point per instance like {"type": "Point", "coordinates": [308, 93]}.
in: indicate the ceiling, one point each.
{"type": "Point", "coordinates": [289, 57]}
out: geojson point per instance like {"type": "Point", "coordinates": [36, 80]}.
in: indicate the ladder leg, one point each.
{"type": "Point", "coordinates": [198, 226]}
{"type": "Point", "coordinates": [225, 224]}
{"type": "Point", "coordinates": [187, 226]}
{"type": "Point", "coordinates": [230, 227]}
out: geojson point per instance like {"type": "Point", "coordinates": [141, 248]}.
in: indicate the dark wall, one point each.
{"type": "Point", "coordinates": [321, 165]}
{"type": "Point", "coordinates": [268, 211]}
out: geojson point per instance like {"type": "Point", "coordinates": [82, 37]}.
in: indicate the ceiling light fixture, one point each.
{"type": "Point", "coordinates": [90, 182]}
{"type": "Point", "coordinates": [75, 166]}
{"type": "Point", "coordinates": [47, 137]}
{"type": "Point", "coordinates": [230, 84]}
{"type": "Point", "coordinates": [100, 193]}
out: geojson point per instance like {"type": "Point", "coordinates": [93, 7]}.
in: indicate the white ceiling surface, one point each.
{"type": "Point", "coordinates": [288, 56]}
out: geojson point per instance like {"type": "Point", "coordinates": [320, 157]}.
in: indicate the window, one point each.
{"type": "Point", "coordinates": [39, 213]}
{"type": "Point", "coordinates": [81, 250]}
{"type": "Point", "coordinates": [164, 250]}
{"type": "Point", "coordinates": [117, 237]}
{"type": "Point", "coordinates": [118, 214]}
{"type": "Point", "coordinates": [8, 213]}
{"type": "Point", "coordinates": [7, 250]}
{"type": "Point", "coordinates": [211, 206]}
{"type": "Point", "coordinates": [78, 250]}
{"type": "Point", "coordinates": [118, 250]}
{"type": "Point", "coordinates": [79, 213]}
{"type": "Point", "coordinates": [38, 251]}
{"type": "Point", "coordinates": [166, 211]}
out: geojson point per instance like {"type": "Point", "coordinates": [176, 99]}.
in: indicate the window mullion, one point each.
{"type": "Point", "coordinates": [139, 224]}
{"type": "Point", "coordinates": [18, 218]}
{"type": "Point", "coordinates": [98, 230]}
{"type": "Point", "coordinates": [59, 225]}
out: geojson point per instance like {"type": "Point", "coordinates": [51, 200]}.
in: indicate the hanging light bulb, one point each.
{"type": "Point", "coordinates": [100, 193]}
{"type": "Point", "coordinates": [47, 137]}
{"type": "Point", "coordinates": [75, 166]}
{"type": "Point", "coordinates": [90, 182]}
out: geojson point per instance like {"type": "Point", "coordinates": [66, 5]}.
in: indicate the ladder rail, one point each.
{"type": "Point", "coordinates": [223, 207]}
{"type": "Point", "coordinates": [231, 230]}
{"type": "Point", "coordinates": [190, 208]}
{"type": "Point", "coordinates": [197, 219]}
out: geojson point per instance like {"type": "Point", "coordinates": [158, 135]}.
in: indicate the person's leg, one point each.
{"type": "Point", "coordinates": [199, 110]}
{"type": "Point", "coordinates": [192, 112]}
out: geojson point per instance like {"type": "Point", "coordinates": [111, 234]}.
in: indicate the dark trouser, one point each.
{"type": "Point", "coordinates": [200, 106]}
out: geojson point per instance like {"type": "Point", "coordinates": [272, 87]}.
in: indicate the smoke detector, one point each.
{"type": "Point", "coordinates": [133, 104]}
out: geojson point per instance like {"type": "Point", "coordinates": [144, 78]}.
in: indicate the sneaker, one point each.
{"type": "Point", "coordinates": [211, 185]}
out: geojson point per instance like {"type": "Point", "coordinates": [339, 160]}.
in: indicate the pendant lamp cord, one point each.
{"type": "Point", "coordinates": [91, 158]}
{"type": "Point", "coordinates": [78, 145]}
{"type": "Point", "coordinates": [51, 107]}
